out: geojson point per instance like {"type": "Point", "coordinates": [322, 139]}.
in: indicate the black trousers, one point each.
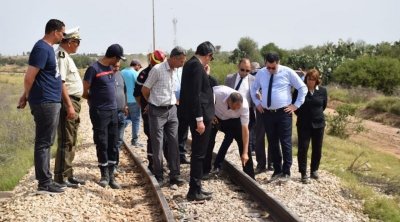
{"type": "Point", "coordinates": [261, 157]}
{"type": "Point", "coordinates": [278, 127]}
{"type": "Point", "coordinates": [199, 149]}
{"type": "Point", "coordinates": [105, 135]}
{"type": "Point", "coordinates": [183, 130]}
{"type": "Point", "coordinates": [316, 135]}
{"type": "Point", "coordinates": [232, 129]}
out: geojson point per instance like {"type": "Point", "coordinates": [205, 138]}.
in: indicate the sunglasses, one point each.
{"type": "Point", "coordinates": [212, 58]}
{"type": "Point", "coordinates": [245, 70]}
{"type": "Point", "coordinates": [271, 68]}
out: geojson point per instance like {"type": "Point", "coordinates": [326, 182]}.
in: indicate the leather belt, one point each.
{"type": "Point", "coordinates": [162, 107]}
{"type": "Point", "coordinates": [274, 110]}
{"type": "Point", "coordinates": [75, 98]}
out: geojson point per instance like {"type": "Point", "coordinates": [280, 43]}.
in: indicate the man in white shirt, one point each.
{"type": "Point", "coordinates": [159, 90]}
{"type": "Point", "coordinates": [232, 118]}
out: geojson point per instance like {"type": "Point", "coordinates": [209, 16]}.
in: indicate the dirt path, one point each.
{"type": "Point", "coordinates": [378, 136]}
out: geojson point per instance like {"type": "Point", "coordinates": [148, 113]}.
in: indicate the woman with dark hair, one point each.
{"type": "Point", "coordinates": [311, 124]}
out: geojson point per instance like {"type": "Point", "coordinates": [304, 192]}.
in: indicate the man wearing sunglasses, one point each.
{"type": "Point", "coordinates": [72, 90]}
{"type": "Point", "coordinates": [276, 82]}
{"type": "Point", "coordinates": [241, 82]}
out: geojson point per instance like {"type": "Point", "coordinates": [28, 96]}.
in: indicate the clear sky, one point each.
{"type": "Point", "coordinates": [290, 24]}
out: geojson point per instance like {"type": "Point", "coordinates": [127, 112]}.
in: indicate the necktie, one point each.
{"type": "Point", "coordinates": [269, 91]}
{"type": "Point", "coordinates": [238, 85]}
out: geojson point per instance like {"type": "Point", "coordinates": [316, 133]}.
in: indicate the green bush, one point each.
{"type": "Point", "coordinates": [385, 104]}
{"type": "Point", "coordinates": [338, 125]}
{"type": "Point", "coordinates": [380, 73]}
{"type": "Point", "coordinates": [220, 69]}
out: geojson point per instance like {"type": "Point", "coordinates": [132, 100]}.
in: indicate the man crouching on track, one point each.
{"type": "Point", "coordinates": [99, 90]}
{"type": "Point", "coordinates": [159, 91]}
{"type": "Point", "coordinates": [232, 118]}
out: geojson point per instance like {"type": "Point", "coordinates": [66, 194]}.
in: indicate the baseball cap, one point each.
{"type": "Point", "coordinates": [115, 50]}
{"type": "Point", "coordinates": [72, 33]}
{"type": "Point", "coordinates": [135, 62]}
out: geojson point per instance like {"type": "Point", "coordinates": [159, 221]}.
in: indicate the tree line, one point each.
{"type": "Point", "coordinates": [345, 62]}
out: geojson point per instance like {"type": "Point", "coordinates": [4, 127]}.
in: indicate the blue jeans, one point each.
{"type": "Point", "coordinates": [46, 117]}
{"type": "Point", "coordinates": [134, 113]}
{"type": "Point", "coordinates": [121, 129]}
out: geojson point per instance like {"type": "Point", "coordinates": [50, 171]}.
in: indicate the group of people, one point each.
{"type": "Point", "coordinates": [172, 95]}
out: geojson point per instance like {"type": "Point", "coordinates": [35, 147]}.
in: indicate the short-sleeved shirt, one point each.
{"type": "Point", "coordinates": [102, 87]}
{"type": "Point", "coordinates": [47, 86]}
{"type": "Point", "coordinates": [120, 88]}
{"type": "Point", "coordinates": [222, 111]}
{"type": "Point", "coordinates": [130, 75]}
{"type": "Point", "coordinates": [161, 82]}
{"type": "Point", "coordinates": [141, 79]}
{"type": "Point", "coordinates": [69, 73]}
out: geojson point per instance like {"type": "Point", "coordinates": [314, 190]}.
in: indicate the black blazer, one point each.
{"type": "Point", "coordinates": [311, 113]}
{"type": "Point", "coordinates": [196, 97]}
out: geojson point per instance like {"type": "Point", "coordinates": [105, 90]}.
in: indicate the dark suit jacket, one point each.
{"type": "Point", "coordinates": [231, 79]}
{"type": "Point", "coordinates": [196, 97]}
{"type": "Point", "coordinates": [311, 113]}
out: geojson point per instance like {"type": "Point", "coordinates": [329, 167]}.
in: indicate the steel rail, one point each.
{"type": "Point", "coordinates": [277, 211]}
{"type": "Point", "coordinates": [166, 210]}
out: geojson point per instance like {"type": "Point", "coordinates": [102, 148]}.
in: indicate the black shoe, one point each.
{"type": "Point", "coordinates": [285, 177]}
{"type": "Point", "coordinates": [160, 181]}
{"type": "Point", "coordinates": [69, 184]}
{"type": "Point", "coordinates": [206, 193]}
{"type": "Point", "coordinates": [185, 160]}
{"type": "Point", "coordinates": [176, 180]}
{"type": "Point", "coordinates": [197, 196]}
{"type": "Point", "coordinates": [75, 180]}
{"type": "Point", "coordinates": [206, 176]}
{"type": "Point", "coordinates": [60, 185]}
{"type": "Point", "coordinates": [275, 176]}
{"type": "Point", "coordinates": [314, 175]}
{"type": "Point", "coordinates": [50, 189]}
{"type": "Point", "coordinates": [270, 168]}
{"type": "Point", "coordinates": [304, 178]}
{"type": "Point", "coordinates": [259, 170]}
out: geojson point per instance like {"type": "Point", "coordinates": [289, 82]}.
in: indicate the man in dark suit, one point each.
{"type": "Point", "coordinates": [197, 108]}
{"type": "Point", "coordinates": [241, 82]}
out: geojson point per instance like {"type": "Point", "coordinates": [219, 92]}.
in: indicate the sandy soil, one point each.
{"type": "Point", "coordinates": [382, 137]}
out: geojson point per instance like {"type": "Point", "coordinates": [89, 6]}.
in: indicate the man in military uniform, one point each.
{"type": "Point", "coordinates": [72, 90]}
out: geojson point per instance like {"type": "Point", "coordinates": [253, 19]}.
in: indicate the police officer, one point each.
{"type": "Point", "coordinates": [72, 90]}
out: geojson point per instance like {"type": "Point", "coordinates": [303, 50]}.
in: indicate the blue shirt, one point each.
{"type": "Point", "coordinates": [281, 94]}
{"type": "Point", "coordinates": [47, 85]}
{"type": "Point", "coordinates": [102, 94]}
{"type": "Point", "coordinates": [130, 75]}
{"type": "Point", "coordinates": [178, 74]}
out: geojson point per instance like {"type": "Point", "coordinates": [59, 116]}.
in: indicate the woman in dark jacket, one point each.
{"type": "Point", "coordinates": [311, 124]}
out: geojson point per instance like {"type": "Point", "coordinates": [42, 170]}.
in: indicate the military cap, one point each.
{"type": "Point", "coordinates": [72, 33]}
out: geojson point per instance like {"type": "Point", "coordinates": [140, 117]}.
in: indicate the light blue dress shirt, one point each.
{"type": "Point", "coordinates": [178, 73]}
{"type": "Point", "coordinates": [281, 94]}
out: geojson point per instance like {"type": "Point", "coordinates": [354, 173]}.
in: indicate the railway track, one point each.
{"type": "Point", "coordinates": [167, 214]}
{"type": "Point", "coordinates": [236, 197]}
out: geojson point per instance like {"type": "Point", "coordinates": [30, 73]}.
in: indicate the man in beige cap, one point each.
{"type": "Point", "coordinates": [72, 90]}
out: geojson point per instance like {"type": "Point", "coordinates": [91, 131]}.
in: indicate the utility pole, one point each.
{"type": "Point", "coordinates": [174, 21]}
{"type": "Point", "coordinates": [154, 30]}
